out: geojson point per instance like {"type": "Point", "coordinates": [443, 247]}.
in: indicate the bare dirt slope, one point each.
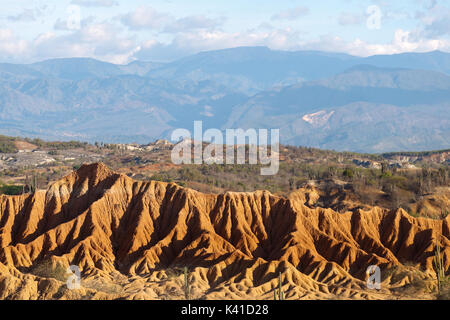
{"type": "Point", "coordinates": [129, 238]}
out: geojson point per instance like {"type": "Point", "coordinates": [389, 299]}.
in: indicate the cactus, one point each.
{"type": "Point", "coordinates": [34, 184]}
{"type": "Point", "coordinates": [439, 266]}
{"type": "Point", "coordinates": [187, 286]}
{"type": "Point", "coordinates": [278, 293]}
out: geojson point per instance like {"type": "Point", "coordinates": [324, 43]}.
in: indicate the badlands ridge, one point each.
{"type": "Point", "coordinates": [130, 239]}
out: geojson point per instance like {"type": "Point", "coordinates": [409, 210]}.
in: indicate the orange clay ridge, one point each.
{"type": "Point", "coordinates": [132, 239]}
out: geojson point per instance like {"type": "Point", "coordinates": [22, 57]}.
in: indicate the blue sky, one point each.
{"type": "Point", "coordinates": [163, 30]}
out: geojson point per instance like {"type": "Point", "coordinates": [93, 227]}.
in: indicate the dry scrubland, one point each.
{"type": "Point", "coordinates": [418, 182]}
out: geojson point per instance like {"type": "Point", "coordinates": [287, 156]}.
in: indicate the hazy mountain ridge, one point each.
{"type": "Point", "coordinates": [339, 95]}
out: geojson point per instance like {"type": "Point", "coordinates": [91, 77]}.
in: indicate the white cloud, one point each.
{"type": "Point", "coordinates": [29, 15]}
{"type": "Point", "coordinates": [207, 111]}
{"type": "Point", "coordinates": [348, 18]}
{"type": "Point", "coordinates": [10, 45]}
{"type": "Point", "coordinates": [44, 37]}
{"type": "Point", "coordinates": [283, 39]}
{"type": "Point", "coordinates": [62, 24]}
{"type": "Point", "coordinates": [102, 41]}
{"type": "Point", "coordinates": [176, 37]}
{"type": "Point", "coordinates": [435, 21]}
{"type": "Point", "coordinates": [291, 14]}
{"type": "Point", "coordinates": [195, 41]}
{"type": "Point", "coordinates": [145, 17]}
{"type": "Point", "coordinates": [439, 27]}
{"type": "Point", "coordinates": [401, 42]}
{"type": "Point", "coordinates": [25, 16]}
{"type": "Point", "coordinates": [95, 3]}
{"type": "Point", "coordinates": [193, 23]}
{"type": "Point", "coordinates": [109, 42]}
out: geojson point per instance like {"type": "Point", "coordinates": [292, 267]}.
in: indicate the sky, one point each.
{"type": "Point", "coordinates": [165, 30]}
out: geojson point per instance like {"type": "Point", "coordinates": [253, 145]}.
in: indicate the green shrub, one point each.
{"type": "Point", "coordinates": [47, 269]}
{"type": "Point", "coordinates": [348, 173]}
{"type": "Point", "coordinates": [11, 190]}
{"type": "Point", "coordinates": [7, 145]}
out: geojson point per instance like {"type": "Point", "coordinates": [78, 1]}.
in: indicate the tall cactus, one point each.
{"type": "Point", "coordinates": [439, 266]}
{"type": "Point", "coordinates": [278, 293]}
{"type": "Point", "coordinates": [34, 184]}
{"type": "Point", "coordinates": [187, 286]}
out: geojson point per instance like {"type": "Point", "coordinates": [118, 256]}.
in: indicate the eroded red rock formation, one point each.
{"type": "Point", "coordinates": [234, 243]}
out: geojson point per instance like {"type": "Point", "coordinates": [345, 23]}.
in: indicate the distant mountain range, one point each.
{"type": "Point", "coordinates": [326, 100]}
